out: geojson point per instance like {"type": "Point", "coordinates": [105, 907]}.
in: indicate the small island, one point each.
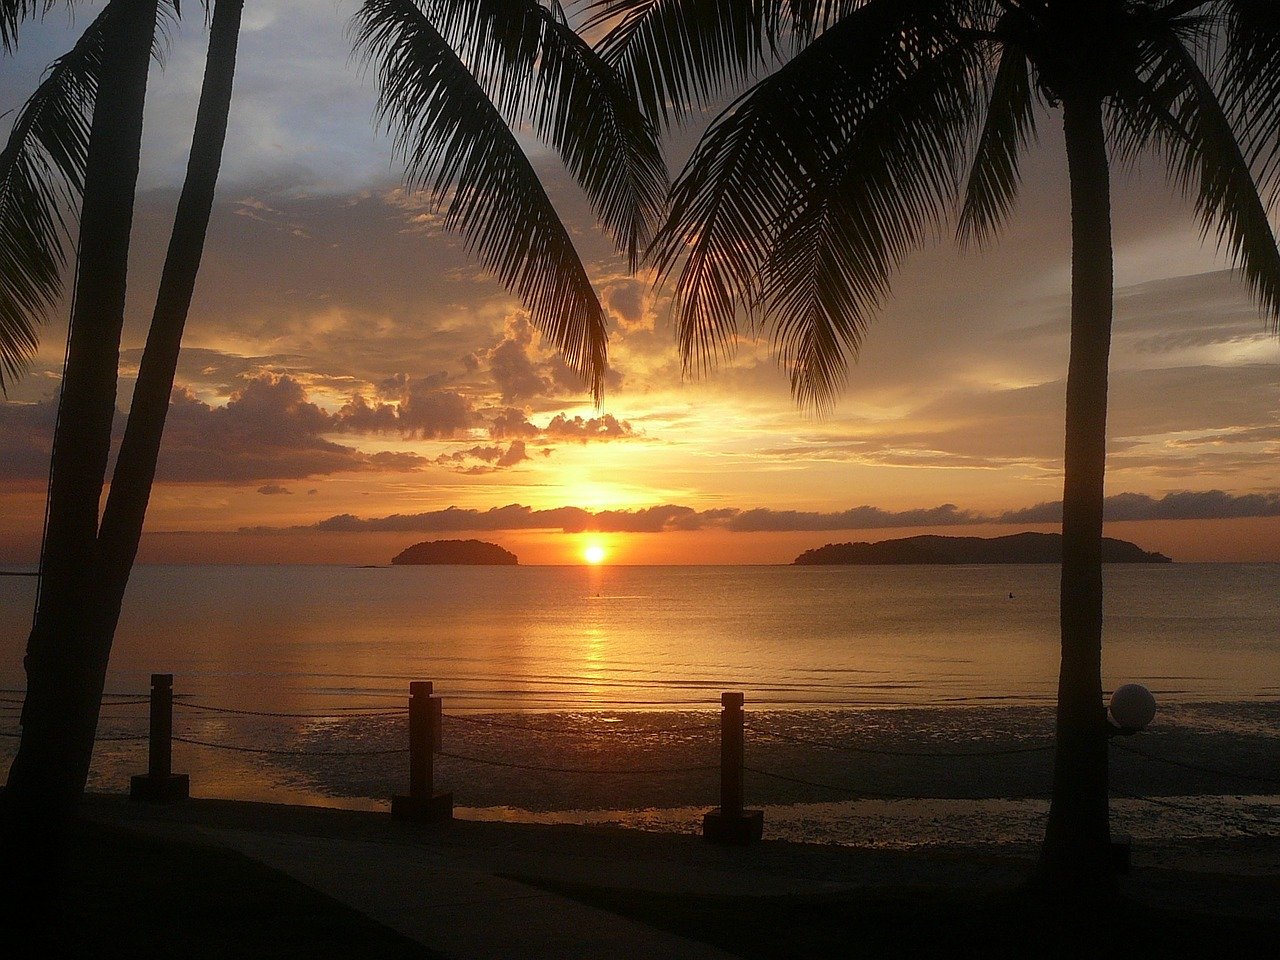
{"type": "Point", "coordinates": [475, 553]}
{"type": "Point", "coordinates": [1017, 548]}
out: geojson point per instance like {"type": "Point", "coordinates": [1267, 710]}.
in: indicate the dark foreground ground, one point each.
{"type": "Point", "coordinates": [157, 895]}
{"type": "Point", "coordinates": [134, 896]}
{"type": "Point", "coordinates": [1013, 923]}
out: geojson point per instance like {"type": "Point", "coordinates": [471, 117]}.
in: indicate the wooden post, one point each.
{"type": "Point", "coordinates": [730, 823]}
{"type": "Point", "coordinates": [423, 804]}
{"type": "Point", "coordinates": [159, 784]}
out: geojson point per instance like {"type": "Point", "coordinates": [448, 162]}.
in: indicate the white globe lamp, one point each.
{"type": "Point", "coordinates": [1133, 707]}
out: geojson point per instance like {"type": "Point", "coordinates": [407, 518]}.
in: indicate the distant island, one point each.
{"type": "Point", "coordinates": [468, 552]}
{"type": "Point", "coordinates": [1017, 548]}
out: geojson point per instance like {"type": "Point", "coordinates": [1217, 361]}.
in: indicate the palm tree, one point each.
{"type": "Point", "coordinates": [55, 153]}
{"type": "Point", "coordinates": [874, 122]}
{"type": "Point", "coordinates": [79, 603]}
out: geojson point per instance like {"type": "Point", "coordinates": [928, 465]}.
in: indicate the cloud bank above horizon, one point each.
{"type": "Point", "coordinates": [667, 518]}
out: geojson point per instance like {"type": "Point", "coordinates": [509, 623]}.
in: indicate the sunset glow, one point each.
{"type": "Point", "coordinates": [649, 400]}
{"type": "Point", "coordinates": [374, 380]}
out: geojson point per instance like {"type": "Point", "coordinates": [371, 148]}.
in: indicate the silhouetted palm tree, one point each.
{"type": "Point", "coordinates": [875, 120]}
{"type": "Point", "coordinates": [64, 155]}
{"type": "Point", "coordinates": [453, 134]}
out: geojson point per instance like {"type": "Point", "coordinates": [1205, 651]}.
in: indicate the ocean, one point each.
{"type": "Point", "coordinates": [586, 693]}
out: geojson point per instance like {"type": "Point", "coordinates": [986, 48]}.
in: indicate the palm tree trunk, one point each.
{"type": "Point", "coordinates": [126, 506]}
{"type": "Point", "coordinates": [60, 712]}
{"type": "Point", "coordinates": [1077, 837]}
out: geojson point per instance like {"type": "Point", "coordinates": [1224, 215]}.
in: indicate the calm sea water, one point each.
{"type": "Point", "coordinates": [643, 637]}
{"type": "Point", "coordinates": [619, 669]}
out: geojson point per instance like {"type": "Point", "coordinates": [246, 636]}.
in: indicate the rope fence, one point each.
{"type": "Point", "coordinates": [238, 748]}
{"type": "Point", "coordinates": [542, 728]}
{"type": "Point", "coordinates": [730, 822]}
{"type": "Point", "coordinates": [591, 771]}
{"type": "Point", "coordinates": [1199, 768]}
{"type": "Point", "coordinates": [884, 752]}
{"type": "Point", "coordinates": [208, 708]}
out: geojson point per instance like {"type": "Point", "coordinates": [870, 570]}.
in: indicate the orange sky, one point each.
{"type": "Point", "coordinates": [345, 357]}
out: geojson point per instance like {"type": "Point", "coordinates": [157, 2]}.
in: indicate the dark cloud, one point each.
{"type": "Point", "coordinates": [274, 490]}
{"type": "Point", "coordinates": [419, 408]}
{"type": "Point", "coordinates": [485, 459]}
{"type": "Point", "coordinates": [218, 369]}
{"type": "Point", "coordinates": [524, 370]}
{"type": "Point", "coordinates": [606, 427]}
{"type": "Point", "coordinates": [1186, 505]}
{"type": "Point", "coordinates": [512, 423]}
{"type": "Point", "coordinates": [1202, 505]}
{"type": "Point", "coordinates": [857, 518]}
{"type": "Point", "coordinates": [629, 302]}
{"type": "Point", "coordinates": [268, 431]}
{"type": "Point", "coordinates": [516, 372]}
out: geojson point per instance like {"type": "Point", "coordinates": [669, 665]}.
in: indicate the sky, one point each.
{"type": "Point", "coordinates": [352, 381]}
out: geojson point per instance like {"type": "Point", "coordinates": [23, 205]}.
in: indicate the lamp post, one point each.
{"type": "Point", "coordinates": [1131, 711]}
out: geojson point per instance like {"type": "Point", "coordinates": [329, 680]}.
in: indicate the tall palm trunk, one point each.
{"type": "Point", "coordinates": [126, 506]}
{"type": "Point", "coordinates": [64, 679]}
{"type": "Point", "coordinates": [60, 713]}
{"type": "Point", "coordinates": [1077, 836]}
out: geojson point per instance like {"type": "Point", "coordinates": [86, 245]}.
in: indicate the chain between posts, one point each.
{"type": "Point", "coordinates": [730, 822]}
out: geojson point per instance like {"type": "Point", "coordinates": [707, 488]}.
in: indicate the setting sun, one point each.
{"type": "Point", "coordinates": [593, 554]}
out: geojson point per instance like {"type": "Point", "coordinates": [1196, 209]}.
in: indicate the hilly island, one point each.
{"type": "Point", "coordinates": [460, 552]}
{"type": "Point", "coordinates": [1017, 548]}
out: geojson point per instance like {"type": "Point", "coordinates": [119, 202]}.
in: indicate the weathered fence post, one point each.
{"type": "Point", "coordinates": [423, 804]}
{"type": "Point", "coordinates": [731, 823]}
{"type": "Point", "coordinates": [160, 784]}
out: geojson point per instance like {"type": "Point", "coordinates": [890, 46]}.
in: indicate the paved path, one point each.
{"type": "Point", "coordinates": [453, 888]}
{"type": "Point", "coordinates": [457, 888]}
{"type": "Point", "coordinates": [457, 910]}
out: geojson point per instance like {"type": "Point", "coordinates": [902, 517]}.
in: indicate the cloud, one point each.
{"type": "Point", "coordinates": [523, 370]}
{"type": "Point", "coordinates": [857, 518]}
{"type": "Point", "coordinates": [274, 490]}
{"type": "Point", "coordinates": [267, 431]}
{"type": "Point", "coordinates": [1189, 505]}
{"type": "Point", "coordinates": [630, 301]}
{"type": "Point", "coordinates": [484, 459]}
{"type": "Point", "coordinates": [518, 375]}
{"type": "Point", "coordinates": [606, 427]}
{"type": "Point", "coordinates": [1186, 505]}
{"type": "Point", "coordinates": [421, 407]}
{"type": "Point", "coordinates": [512, 423]}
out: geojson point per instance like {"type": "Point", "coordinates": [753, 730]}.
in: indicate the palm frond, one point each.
{"type": "Point", "coordinates": [868, 208]}
{"type": "Point", "coordinates": [1251, 82]}
{"type": "Point", "coordinates": [539, 72]}
{"type": "Point", "coordinates": [457, 146]}
{"type": "Point", "coordinates": [1176, 109]}
{"type": "Point", "coordinates": [41, 177]}
{"type": "Point", "coordinates": [762, 173]}
{"type": "Point", "coordinates": [1009, 127]}
{"type": "Point", "coordinates": [679, 54]}
{"type": "Point", "coordinates": [14, 12]}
